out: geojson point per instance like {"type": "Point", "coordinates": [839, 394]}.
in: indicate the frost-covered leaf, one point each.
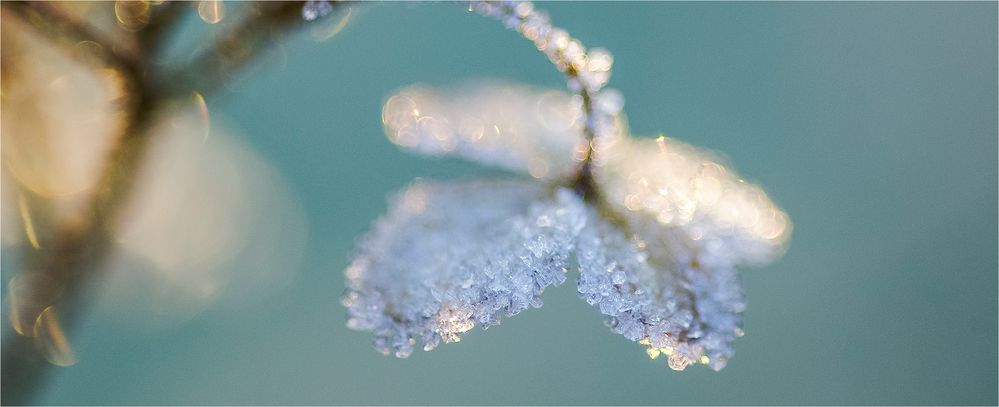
{"type": "Point", "coordinates": [515, 127]}
{"type": "Point", "coordinates": [654, 290]}
{"type": "Point", "coordinates": [678, 186]}
{"type": "Point", "coordinates": [659, 250]}
{"type": "Point", "coordinates": [313, 9]}
{"type": "Point", "coordinates": [449, 256]}
{"type": "Point", "coordinates": [664, 273]}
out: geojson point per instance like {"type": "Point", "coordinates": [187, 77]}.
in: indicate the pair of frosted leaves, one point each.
{"type": "Point", "coordinates": [656, 255]}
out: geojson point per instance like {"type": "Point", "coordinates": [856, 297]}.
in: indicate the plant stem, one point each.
{"type": "Point", "coordinates": [78, 251]}
{"type": "Point", "coordinates": [233, 50]}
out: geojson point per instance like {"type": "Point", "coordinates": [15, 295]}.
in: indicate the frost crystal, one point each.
{"type": "Point", "coordinates": [657, 242]}
{"type": "Point", "coordinates": [658, 258]}
{"type": "Point", "coordinates": [450, 256]}
{"type": "Point", "coordinates": [693, 221]}
{"type": "Point", "coordinates": [654, 291]}
{"type": "Point", "coordinates": [518, 128]}
{"type": "Point", "coordinates": [314, 9]}
{"type": "Point", "coordinates": [688, 190]}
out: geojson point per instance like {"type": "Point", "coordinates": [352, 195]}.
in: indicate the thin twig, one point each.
{"type": "Point", "coordinates": [78, 251]}
{"type": "Point", "coordinates": [163, 18]}
{"type": "Point", "coordinates": [231, 52]}
{"type": "Point", "coordinates": [67, 32]}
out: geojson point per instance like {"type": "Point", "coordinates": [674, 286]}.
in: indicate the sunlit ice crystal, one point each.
{"type": "Point", "coordinates": [515, 127]}
{"type": "Point", "coordinates": [653, 290]}
{"type": "Point", "coordinates": [659, 258]}
{"type": "Point", "coordinates": [313, 9]}
{"type": "Point", "coordinates": [450, 256]}
{"type": "Point", "coordinates": [667, 225]}
{"type": "Point", "coordinates": [678, 186]}
{"type": "Point", "coordinates": [691, 220]}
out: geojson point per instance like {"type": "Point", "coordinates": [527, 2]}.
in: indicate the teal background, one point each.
{"type": "Point", "coordinates": [873, 124]}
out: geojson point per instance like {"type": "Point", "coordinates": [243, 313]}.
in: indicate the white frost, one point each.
{"type": "Point", "coordinates": [657, 248]}
{"type": "Point", "coordinates": [687, 190]}
{"type": "Point", "coordinates": [449, 256]}
{"type": "Point", "coordinates": [514, 127]}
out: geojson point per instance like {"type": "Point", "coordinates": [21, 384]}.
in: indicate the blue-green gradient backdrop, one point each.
{"type": "Point", "coordinates": [873, 124]}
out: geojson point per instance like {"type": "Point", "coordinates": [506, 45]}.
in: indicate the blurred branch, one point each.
{"type": "Point", "coordinates": [66, 32]}
{"type": "Point", "coordinates": [231, 52]}
{"type": "Point", "coordinates": [78, 250]}
{"type": "Point", "coordinates": [74, 258]}
{"type": "Point", "coordinates": [162, 20]}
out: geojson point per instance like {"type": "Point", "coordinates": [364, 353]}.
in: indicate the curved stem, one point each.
{"type": "Point", "coordinates": [585, 77]}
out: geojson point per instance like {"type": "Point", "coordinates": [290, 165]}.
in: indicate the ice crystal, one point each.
{"type": "Point", "coordinates": [449, 256]}
{"type": "Point", "coordinates": [675, 185]}
{"type": "Point", "coordinates": [518, 128]}
{"type": "Point", "coordinates": [657, 240]}
{"type": "Point", "coordinates": [653, 290]}
{"type": "Point", "coordinates": [313, 9]}
{"type": "Point", "coordinates": [658, 257]}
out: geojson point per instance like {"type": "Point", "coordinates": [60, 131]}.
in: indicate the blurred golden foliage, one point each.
{"type": "Point", "coordinates": [109, 179]}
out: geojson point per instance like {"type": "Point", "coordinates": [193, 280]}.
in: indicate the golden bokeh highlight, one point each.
{"type": "Point", "coordinates": [201, 107]}
{"type": "Point", "coordinates": [29, 225]}
{"type": "Point", "coordinates": [59, 117]}
{"type": "Point", "coordinates": [211, 223]}
{"type": "Point", "coordinates": [51, 339]}
{"type": "Point", "coordinates": [681, 186]}
{"type": "Point", "coordinates": [132, 15]}
{"type": "Point", "coordinates": [514, 127]}
{"type": "Point", "coordinates": [211, 11]}
{"type": "Point", "coordinates": [28, 293]}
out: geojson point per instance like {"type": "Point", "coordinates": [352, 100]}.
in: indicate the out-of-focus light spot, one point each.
{"type": "Point", "coordinates": [332, 25]}
{"type": "Point", "coordinates": [440, 131]}
{"type": "Point", "coordinates": [211, 11]}
{"type": "Point", "coordinates": [581, 152]}
{"type": "Point", "coordinates": [202, 109]}
{"type": "Point", "coordinates": [398, 111]}
{"type": "Point", "coordinates": [538, 168]}
{"type": "Point", "coordinates": [707, 190]}
{"type": "Point", "coordinates": [677, 362]}
{"type": "Point", "coordinates": [210, 224]}
{"type": "Point", "coordinates": [88, 51]}
{"type": "Point", "coordinates": [28, 294]}
{"type": "Point", "coordinates": [58, 117]}
{"type": "Point", "coordinates": [51, 340]}
{"type": "Point", "coordinates": [773, 225]}
{"type": "Point", "coordinates": [509, 127]}
{"type": "Point", "coordinates": [683, 186]}
{"type": "Point", "coordinates": [131, 15]}
{"type": "Point", "coordinates": [633, 202]}
{"type": "Point", "coordinates": [471, 129]}
{"type": "Point", "coordinates": [599, 60]}
{"type": "Point", "coordinates": [29, 226]}
{"type": "Point", "coordinates": [556, 112]}
{"type": "Point", "coordinates": [415, 199]}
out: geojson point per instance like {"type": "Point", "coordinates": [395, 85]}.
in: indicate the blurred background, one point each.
{"type": "Point", "coordinates": [873, 124]}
